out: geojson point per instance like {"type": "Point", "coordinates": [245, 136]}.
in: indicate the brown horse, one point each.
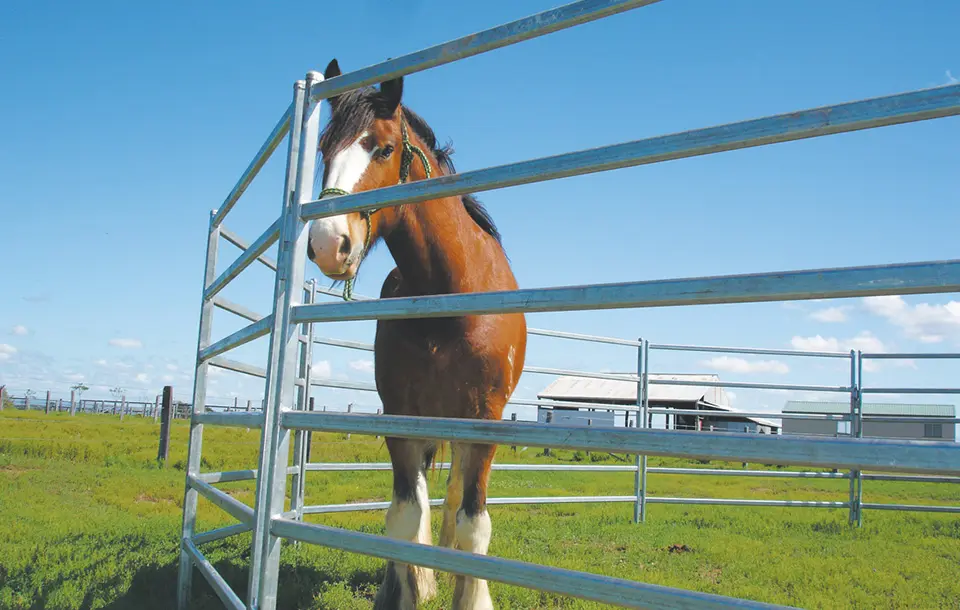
{"type": "Point", "coordinates": [465, 367]}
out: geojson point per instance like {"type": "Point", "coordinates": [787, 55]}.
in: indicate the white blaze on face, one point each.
{"type": "Point", "coordinates": [345, 170]}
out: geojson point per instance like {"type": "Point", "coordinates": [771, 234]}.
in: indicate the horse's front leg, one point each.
{"type": "Point", "coordinates": [405, 586]}
{"type": "Point", "coordinates": [473, 527]}
{"type": "Point", "coordinates": [451, 503]}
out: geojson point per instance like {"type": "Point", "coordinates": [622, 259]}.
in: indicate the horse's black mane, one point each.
{"type": "Point", "coordinates": [356, 110]}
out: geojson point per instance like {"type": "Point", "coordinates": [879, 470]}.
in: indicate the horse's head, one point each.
{"type": "Point", "coordinates": [362, 148]}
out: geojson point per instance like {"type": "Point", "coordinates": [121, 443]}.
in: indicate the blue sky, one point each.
{"type": "Point", "coordinates": [125, 124]}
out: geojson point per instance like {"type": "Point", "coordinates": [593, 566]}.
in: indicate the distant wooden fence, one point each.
{"type": "Point", "coordinates": [122, 407]}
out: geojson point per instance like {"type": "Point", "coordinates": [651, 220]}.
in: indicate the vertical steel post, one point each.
{"type": "Point", "coordinates": [859, 429]}
{"type": "Point", "coordinates": [301, 437]}
{"type": "Point", "coordinates": [645, 417]}
{"type": "Point", "coordinates": [638, 477]}
{"type": "Point", "coordinates": [284, 342]}
{"type": "Point", "coordinates": [195, 442]}
{"type": "Point", "coordinates": [854, 390]}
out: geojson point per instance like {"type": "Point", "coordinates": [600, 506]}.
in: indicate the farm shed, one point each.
{"type": "Point", "coordinates": [920, 430]}
{"type": "Point", "coordinates": [662, 395]}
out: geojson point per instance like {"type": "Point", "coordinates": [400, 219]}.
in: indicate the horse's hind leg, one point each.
{"type": "Point", "coordinates": [473, 526]}
{"type": "Point", "coordinates": [408, 518]}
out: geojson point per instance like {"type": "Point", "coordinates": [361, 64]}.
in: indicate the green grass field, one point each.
{"type": "Point", "coordinates": [90, 521]}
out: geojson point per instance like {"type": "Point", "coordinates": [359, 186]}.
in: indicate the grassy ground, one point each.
{"type": "Point", "coordinates": [90, 521]}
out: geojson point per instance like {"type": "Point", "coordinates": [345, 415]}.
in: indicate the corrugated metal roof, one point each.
{"type": "Point", "coordinates": [870, 408]}
{"type": "Point", "coordinates": [625, 392]}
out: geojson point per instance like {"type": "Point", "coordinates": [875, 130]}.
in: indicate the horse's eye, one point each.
{"type": "Point", "coordinates": [386, 151]}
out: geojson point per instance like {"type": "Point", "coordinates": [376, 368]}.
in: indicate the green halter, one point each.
{"type": "Point", "coordinates": [408, 150]}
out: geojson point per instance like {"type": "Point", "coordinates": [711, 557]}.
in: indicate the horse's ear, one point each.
{"type": "Point", "coordinates": [391, 91]}
{"type": "Point", "coordinates": [332, 70]}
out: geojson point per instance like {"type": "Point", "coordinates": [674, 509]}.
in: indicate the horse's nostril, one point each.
{"type": "Point", "coordinates": [310, 253]}
{"type": "Point", "coordinates": [345, 245]}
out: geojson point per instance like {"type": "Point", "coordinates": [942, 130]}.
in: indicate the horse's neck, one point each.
{"type": "Point", "coordinates": [436, 246]}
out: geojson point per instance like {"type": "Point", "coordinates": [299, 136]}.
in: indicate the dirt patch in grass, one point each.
{"type": "Point", "coordinates": [711, 575]}
{"type": "Point", "coordinates": [149, 499]}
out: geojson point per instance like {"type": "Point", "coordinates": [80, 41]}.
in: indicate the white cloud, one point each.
{"type": "Point", "coordinates": [172, 367]}
{"type": "Point", "coordinates": [362, 365]}
{"type": "Point", "coordinates": [731, 396]}
{"type": "Point", "coordinates": [167, 378]}
{"type": "Point", "coordinates": [143, 378]}
{"type": "Point", "coordinates": [923, 322]}
{"type": "Point", "coordinates": [126, 343]}
{"type": "Point", "coordinates": [741, 365]}
{"type": "Point", "coordinates": [19, 330]}
{"type": "Point", "coordinates": [124, 365]}
{"type": "Point", "coordinates": [831, 314]}
{"type": "Point", "coordinates": [865, 341]}
{"type": "Point", "coordinates": [6, 351]}
{"type": "Point", "coordinates": [102, 362]}
{"type": "Point", "coordinates": [321, 369]}
{"type": "Point", "coordinates": [74, 377]}
{"type": "Point", "coordinates": [951, 79]}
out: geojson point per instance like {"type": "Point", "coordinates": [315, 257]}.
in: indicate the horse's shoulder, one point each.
{"type": "Point", "coordinates": [391, 285]}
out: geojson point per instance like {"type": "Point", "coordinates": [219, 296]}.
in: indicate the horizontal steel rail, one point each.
{"type": "Point", "coordinates": [912, 478]}
{"type": "Point", "coordinates": [220, 533]}
{"type": "Point", "coordinates": [623, 593]}
{"type": "Point", "coordinates": [237, 310]}
{"type": "Point", "coordinates": [217, 583]}
{"type": "Point", "coordinates": [357, 345]}
{"type": "Point", "coordinates": [750, 385]}
{"type": "Point", "coordinates": [238, 367]}
{"type": "Point", "coordinates": [912, 356]}
{"type": "Point", "coordinates": [228, 476]}
{"type": "Point", "coordinates": [244, 335]}
{"type": "Point", "coordinates": [273, 140]}
{"type": "Point", "coordinates": [580, 337]}
{"type": "Point", "coordinates": [235, 508]}
{"type": "Point", "coordinates": [767, 414]}
{"type": "Point", "coordinates": [341, 384]}
{"type": "Point", "coordinates": [768, 474]}
{"type": "Point", "coordinates": [910, 390]}
{"type": "Point", "coordinates": [920, 508]}
{"type": "Point", "coordinates": [815, 122]}
{"type": "Point", "coordinates": [539, 370]}
{"type": "Point", "coordinates": [237, 241]}
{"type": "Point", "coordinates": [880, 280]}
{"type": "Point", "coordinates": [369, 506]}
{"type": "Point", "coordinates": [757, 351]}
{"type": "Point", "coordinates": [261, 245]}
{"type": "Point", "coordinates": [370, 466]}
{"type": "Point", "coordinates": [234, 419]}
{"type": "Point", "coordinates": [739, 502]}
{"type": "Point", "coordinates": [534, 26]}
{"type": "Point", "coordinates": [906, 419]}
{"type": "Point", "coordinates": [772, 474]}
{"type": "Point", "coordinates": [550, 404]}
{"type": "Point", "coordinates": [858, 454]}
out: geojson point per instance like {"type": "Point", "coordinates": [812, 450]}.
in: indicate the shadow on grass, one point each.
{"type": "Point", "coordinates": [155, 587]}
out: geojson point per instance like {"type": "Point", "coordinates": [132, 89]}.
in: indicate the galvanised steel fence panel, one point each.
{"type": "Point", "coordinates": [866, 389]}
{"type": "Point", "coordinates": [852, 390]}
{"type": "Point", "coordinates": [299, 124]}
